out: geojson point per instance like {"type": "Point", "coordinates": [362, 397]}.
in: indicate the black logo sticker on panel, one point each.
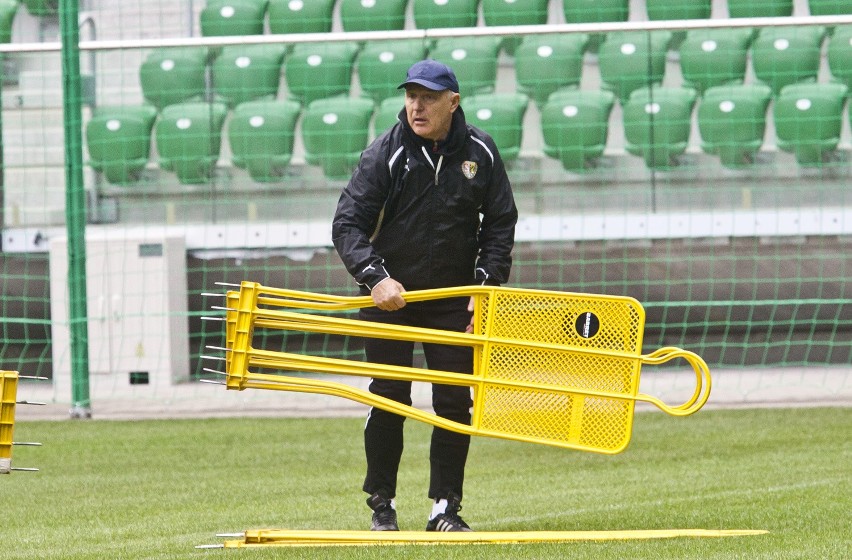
{"type": "Point", "coordinates": [587, 324]}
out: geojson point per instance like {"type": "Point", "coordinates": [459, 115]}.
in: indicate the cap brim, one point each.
{"type": "Point", "coordinates": [425, 83]}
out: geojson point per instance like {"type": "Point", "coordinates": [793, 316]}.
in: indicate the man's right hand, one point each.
{"type": "Point", "coordinates": [387, 295]}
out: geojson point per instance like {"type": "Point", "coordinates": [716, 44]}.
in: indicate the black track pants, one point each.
{"type": "Point", "coordinates": [383, 434]}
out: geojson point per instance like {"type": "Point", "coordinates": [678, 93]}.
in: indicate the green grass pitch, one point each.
{"type": "Point", "coordinates": [155, 489]}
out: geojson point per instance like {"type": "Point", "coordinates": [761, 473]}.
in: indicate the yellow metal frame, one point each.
{"type": "Point", "coordinates": [8, 399]}
{"type": "Point", "coordinates": [556, 368]}
{"type": "Point", "coordinates": [283, 537]}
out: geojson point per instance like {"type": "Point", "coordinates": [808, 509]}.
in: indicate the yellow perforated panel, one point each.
{"type": "Point", "coordinates": [589, 423]}
{"type": "Point", "coordinates": [552, 318]}
{"type": "Point", "coordinates": [568, 322]}
{"type": "Point", "coordinates": [561, 416]}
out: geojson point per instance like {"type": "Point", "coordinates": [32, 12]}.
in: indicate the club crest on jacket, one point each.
{"type": "Point", "coordinates": [469, 169]}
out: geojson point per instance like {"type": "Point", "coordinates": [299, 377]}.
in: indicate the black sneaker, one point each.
{"type": "Point", "coordinates": [384, 516]}
{"type": "Point", "coordinates": [449, 521]}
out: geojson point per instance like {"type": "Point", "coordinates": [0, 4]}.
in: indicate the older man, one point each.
{"type": "Point", "coordinates": [429, 206]}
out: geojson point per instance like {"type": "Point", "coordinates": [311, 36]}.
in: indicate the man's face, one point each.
{"type": "Point", "coordinates": [430, 113]}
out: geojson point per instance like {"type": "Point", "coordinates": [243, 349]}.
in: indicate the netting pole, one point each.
{"type": "Point", "coordinates": [75, 208]}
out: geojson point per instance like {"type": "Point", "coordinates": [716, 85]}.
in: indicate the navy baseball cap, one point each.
{"type": "Point", "coordinates": [433, 75]}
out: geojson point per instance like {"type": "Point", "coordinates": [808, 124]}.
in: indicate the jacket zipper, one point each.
{"type": "Point", "coordinates": [437, 168]}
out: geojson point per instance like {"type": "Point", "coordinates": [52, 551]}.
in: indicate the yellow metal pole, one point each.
{"type": "Point", "coordinates": [277, 537]}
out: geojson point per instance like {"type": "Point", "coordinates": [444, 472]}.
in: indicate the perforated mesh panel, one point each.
{"type": "Point", "coordinates": [570, 420]}
{"type": "Point", "coordinates": [576, 326]}
{"type": "Point", "coordinates": [551, 318]}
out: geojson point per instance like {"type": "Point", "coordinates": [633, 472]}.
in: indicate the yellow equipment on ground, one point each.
{"type": "Point", "coordinates": [555, 368]}
{"type": "Point", "coordinates": [271, 537]}
{"type": "Point", "coordinates": [8, 400]}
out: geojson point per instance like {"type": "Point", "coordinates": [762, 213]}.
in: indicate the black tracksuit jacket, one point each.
{"type": "Point", "coordinates": [429, 215]}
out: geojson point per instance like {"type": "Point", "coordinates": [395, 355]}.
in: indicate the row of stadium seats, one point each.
{"type": "Point", "coordinates": [543, 64]}
{"type": "Point", "coordinates": [253, 17]}
{"type": "Point", "coordinates": [247, 17]}
{"type": "Point", "coordinates": [712, 57]}
{"type": "Point", "coordinates": [574, 124]}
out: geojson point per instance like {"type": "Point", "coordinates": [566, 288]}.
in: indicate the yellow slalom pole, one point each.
{"type": "Point", "coordinates": [281, 537]}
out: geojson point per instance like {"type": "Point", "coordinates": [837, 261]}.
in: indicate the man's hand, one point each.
{"type": "Point", "coordinates": [470, 307]}
{"type": "Point", "coordinates": [387, 295]}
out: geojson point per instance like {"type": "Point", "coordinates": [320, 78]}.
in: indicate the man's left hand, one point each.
{"type": "Point", "coordinates": [470, 307]}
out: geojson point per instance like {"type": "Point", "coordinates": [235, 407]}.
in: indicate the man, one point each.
{"type": "Point", "coordinates": [429, 206]}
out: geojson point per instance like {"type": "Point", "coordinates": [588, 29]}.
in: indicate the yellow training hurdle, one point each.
{"type": "Point", "coordinates": [8, 400]}
{"type": "Point", "coordinates": [554, 368]}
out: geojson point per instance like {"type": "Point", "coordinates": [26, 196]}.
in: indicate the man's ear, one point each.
{"type": "Point", "coordinates": [455, 102]}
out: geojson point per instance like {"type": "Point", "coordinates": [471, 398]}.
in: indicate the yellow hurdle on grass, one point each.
{"type": "Point", "coordinates": [554, 368]}
{"type": "Point", "coordinates": [8, 400]}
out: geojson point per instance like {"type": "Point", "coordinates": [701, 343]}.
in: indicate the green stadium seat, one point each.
{"type": "Point", "coordinates": [732, 122]}
{"type": "Point", "coordinates": [8, 10]}
{"type": "Point", "coordinates": [514, 12]}
{"type": "Point", "coordinates": [596, 11]}
{"type": "Point", "coordinates": [261, 135]}
{"type": "Point", "coordinates": [233, 17]}
{"type": "Point", "coordinates": [786, 55]}
{"type": "Point", "coordinates": [712, 57]}
{"type": "Point", "coordinates": [188, 137]}
{"type": "Point", "coordinates": [300, 16]}
{"type": "Point", "coordinates": [829, 7]}
{"type": "Point", "coordinates": [382, 66]}
{"type": "Point", "coordinates": [473, 59]}
{"type": "Point", "coordinates": [760, 8]}
{"type": "Point", "coordinates": [678, 9]}
{"type": "Point", "coordinates": [245, 72]}
{"type": "Point", "coordinates": [808, 119]}
{"type": "Point", "coordinates": [839, 54]}
{"type": "Point", "coordinates": [335, 131]}
{"type": "Point", "coordinates": [119, 141]}
{"type": "Point", "coordinates": [511, 13]}
{"type": "Point", "coordinates": [41, 8]}
{"type": "Point", "coordinates": [169, 76]}
{"type": "Point", "coordinates": [318, 70]}
{"type": "Point", "coordinates": [372, 15]}
{"type": "Point", "coordinates": [657, 124]}
{"type": "Point", "coordinates": [537, 56]}
{"type": "Point", "coordinates": [387, 114]}
{"type": "Point", "coordinates": [435, 14]}
{"type": "Point", "coordinates": [502, 116]}
{"type": "Point", "coordinates": [574, 126]}
{"type": "Point", "coordinates": [633, 59]}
